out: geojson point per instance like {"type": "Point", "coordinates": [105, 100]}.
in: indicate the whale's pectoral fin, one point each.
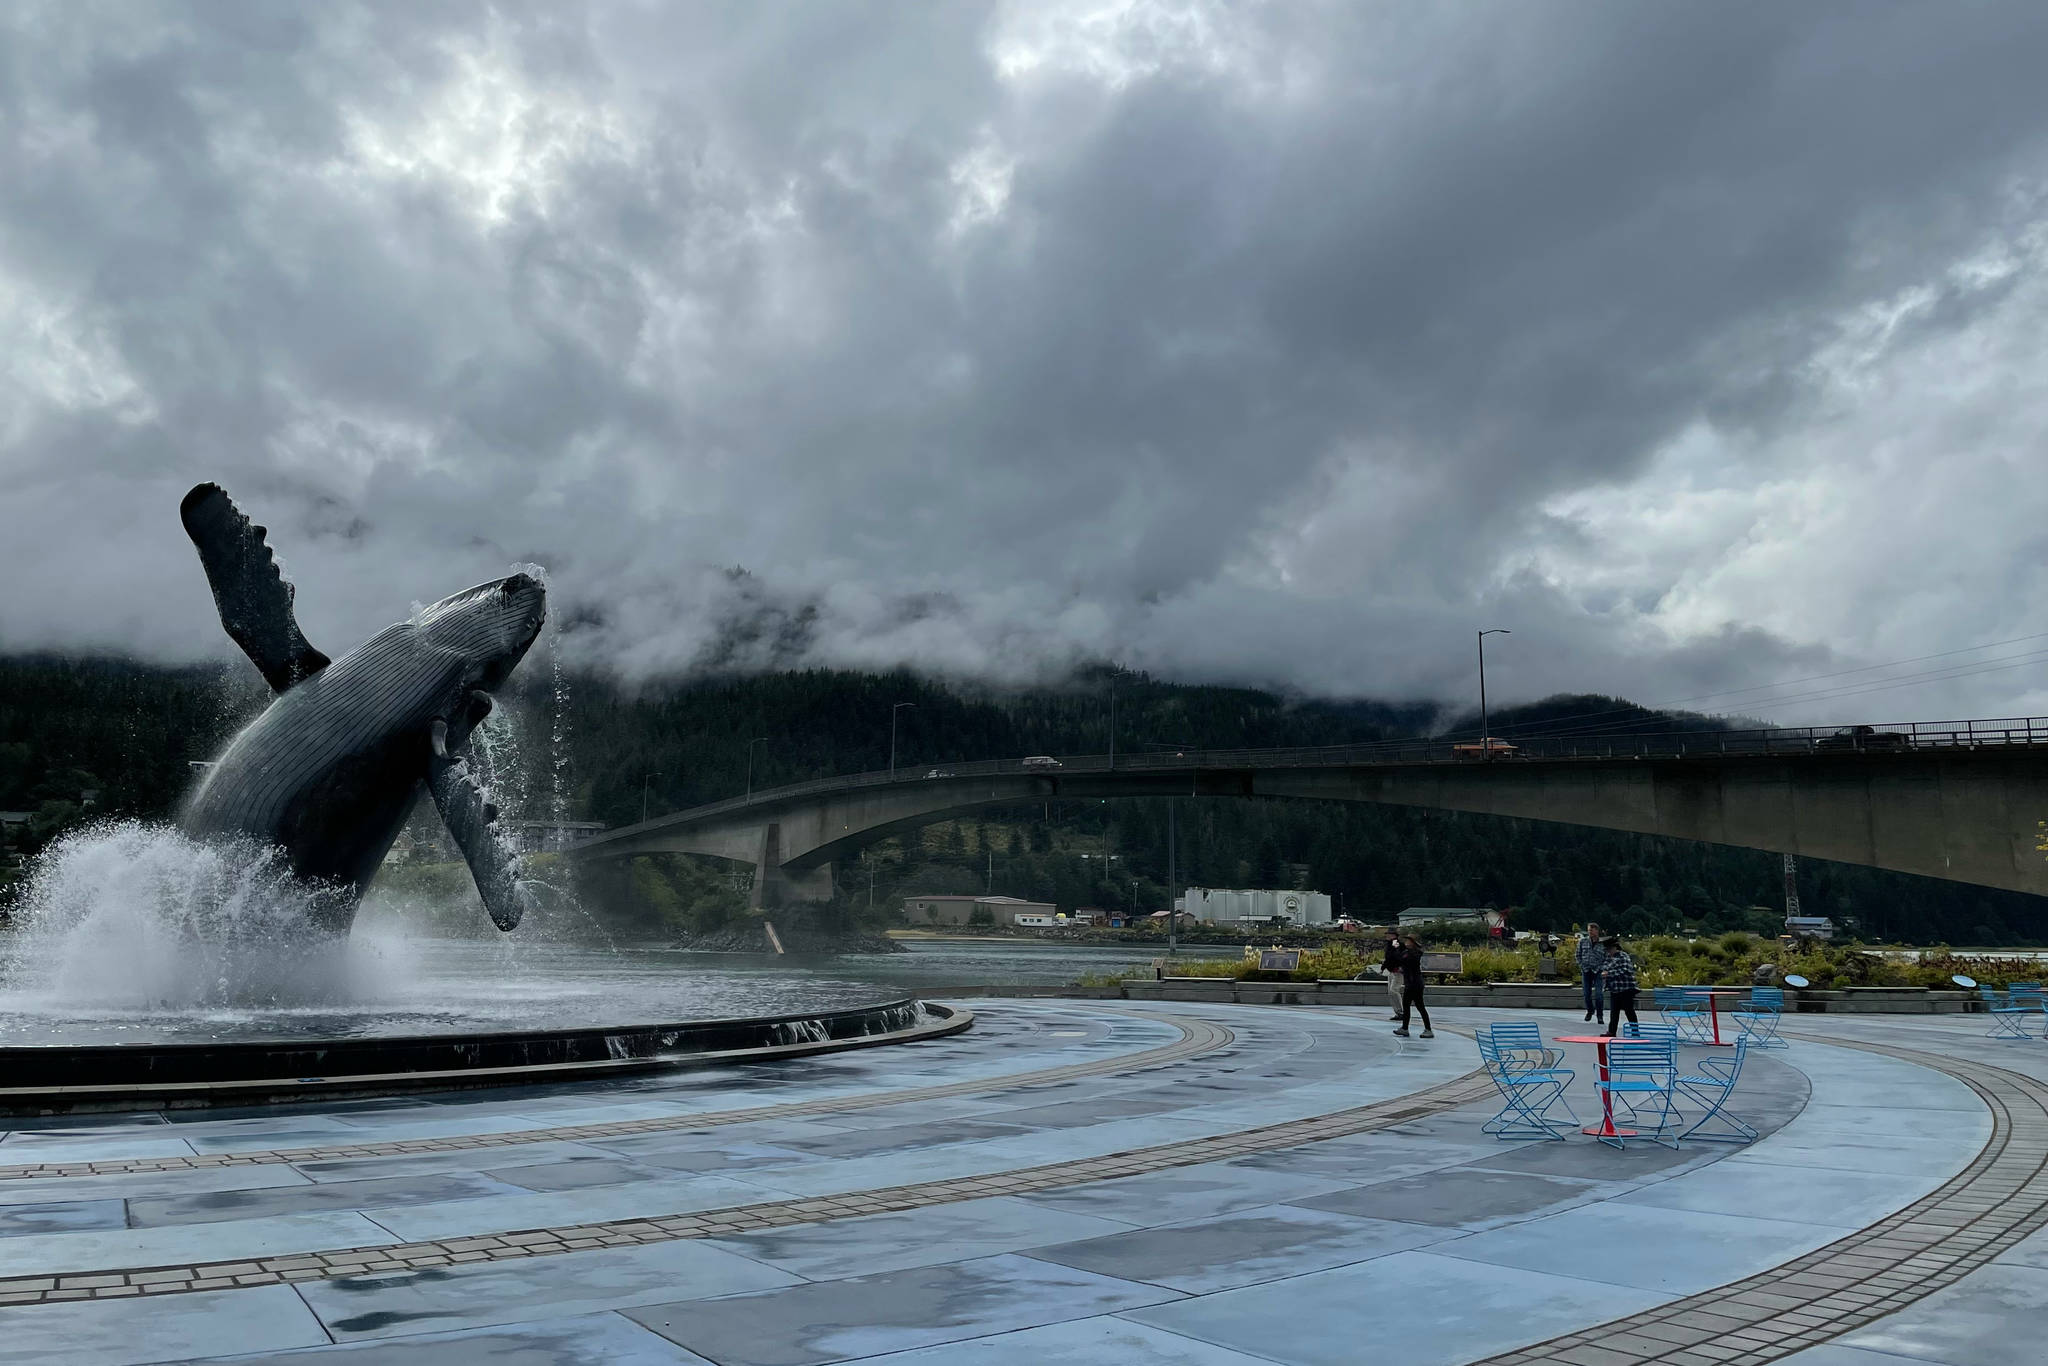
{"type": "Point", "coordinates": [254, 600]}
{"type": "Point", "coordinates": [468, 818]}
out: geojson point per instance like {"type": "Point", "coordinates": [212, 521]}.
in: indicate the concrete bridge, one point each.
{"type": "Point", "coordinates": [1967, 801]}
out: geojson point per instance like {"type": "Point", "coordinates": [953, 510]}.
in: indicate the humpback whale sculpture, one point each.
{"type": "Point", "coordinates": [331, 769]}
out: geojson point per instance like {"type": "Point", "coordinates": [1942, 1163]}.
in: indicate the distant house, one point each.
{"type": "Point", "coordinates": [948, 908]}
{"type": "Point", "coordinates": [1224, 905]}
{"type": "Point", "coordinates": [1810, 926]}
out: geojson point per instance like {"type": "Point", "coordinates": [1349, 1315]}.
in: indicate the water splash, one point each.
{"type": "Point", "coordinates": [133, 916]}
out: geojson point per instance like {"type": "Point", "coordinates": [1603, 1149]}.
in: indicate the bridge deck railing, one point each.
{"type": "Point", "coordinates": [1677, 743]}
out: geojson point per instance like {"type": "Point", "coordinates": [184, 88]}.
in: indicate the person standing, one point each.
{"type": "Point", "coordinates": [1618, 975]}
{"type": "Point", "coordinates": [1410, 960]}
{"type": "Point", "coordinates": [1390, 963]}
{"type": "Point", "coordinates": [1591, 959]}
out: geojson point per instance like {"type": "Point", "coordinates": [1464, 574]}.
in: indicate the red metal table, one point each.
{"type": "Point", "coordinates": [1712, 996]}
{"type": "Point", "coordinates": [1604, 1129]}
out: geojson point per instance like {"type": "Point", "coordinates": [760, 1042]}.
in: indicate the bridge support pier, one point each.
{"type": "Point", "coordinates": [776, 886]}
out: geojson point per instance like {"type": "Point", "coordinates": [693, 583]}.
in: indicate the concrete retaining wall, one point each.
{"type": "Point", "coordinates": [1493, 995]}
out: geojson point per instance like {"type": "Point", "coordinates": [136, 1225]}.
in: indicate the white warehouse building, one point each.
{"type": "Point", "coordinates": [1226, 905]}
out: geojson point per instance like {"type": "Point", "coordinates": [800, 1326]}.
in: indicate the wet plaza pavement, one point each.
{"type": "Point", "coordinates": [1068, 1182]}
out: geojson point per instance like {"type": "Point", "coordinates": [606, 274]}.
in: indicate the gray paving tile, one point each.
{"type": "Point", "coordinates": [552, 1209]}
{"type": "Point", "coordinates": [1167, 1197]}
{"type": "Point", "coordinates": [147, 1184]}
{"type": "Point", "coordinates": [1457, 1197]}
{"type": "Point", "coordinates": [1590, 1160]}
{"type": "Point", "coordinates": [1081, 1342]}
{"type": "Point", "coordinates": [591, 1340]}
{"type": "Point", "coordinates": [43, 1254]}
{"type": "Point", "coordinates": [698, 1155]}
{"type": "Point", "coordinates": [577, 1175]}
{"type": "Point", "coordinates": [893, 1312]}
{"type": "Point", "coordinates": [159, 1328]}
{"type": "Point", "coordinates": [455, 1160]}
{"type": "Point", "coordinates": [1415, 1308]}
{"type": "Point", "coordinates": [1835, 1354]}
{"type": "Point", "coordinates": [943, 1233]}
{"type": "Point", "coordinates": [571, 1283]}
{"type": "Point", "coordinates": [1841, 1199]}
{"type": "Point", "coordinates": [1238, 1249]}
{"type": "Point", "coordinates": [1677, 1252]}
{"type": "Point", "coordinates": [60, 1216]}
{"type": "Point", "coordinates": [212, 1207]}
{"type": "Point", "coordinates": [1997, 1316]}
{"type": "Point", "coordinates": [1373, 1157]}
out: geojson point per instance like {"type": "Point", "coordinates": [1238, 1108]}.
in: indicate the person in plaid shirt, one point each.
{"type": "Point", "coordinates": [1618, 974]}
{"type": "Point", "coordinates": [1590, 958]}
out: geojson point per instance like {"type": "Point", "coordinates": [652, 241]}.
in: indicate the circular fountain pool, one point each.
{"type": "Point", "coordinates": [392, 986]}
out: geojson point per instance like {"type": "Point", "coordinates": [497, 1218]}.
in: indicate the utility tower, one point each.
{"type": "Point", "coordinates": [1791, 886]}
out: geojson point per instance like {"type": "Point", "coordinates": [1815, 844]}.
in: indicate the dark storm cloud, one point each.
{"type": "Point", "coordinates": [1699, 344]}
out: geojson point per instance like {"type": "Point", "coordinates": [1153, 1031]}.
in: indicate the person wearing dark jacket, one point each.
{"type": "Point", "coordinates": [1590, 956]}
{"type": "Point", "coordinates": [1618, 975]}
{"type": "Point", "coordinates": [1410, 963]}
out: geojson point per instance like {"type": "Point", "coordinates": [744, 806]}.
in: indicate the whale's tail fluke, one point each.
{"type": "Point", "coordinates": [254, 600]}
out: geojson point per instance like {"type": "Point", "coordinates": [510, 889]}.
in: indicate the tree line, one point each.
{"type": "Point", "coordinates": [128, 732]}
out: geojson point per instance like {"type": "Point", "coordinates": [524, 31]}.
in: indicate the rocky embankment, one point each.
{"type": "Point", "coordinates": [798, 937]}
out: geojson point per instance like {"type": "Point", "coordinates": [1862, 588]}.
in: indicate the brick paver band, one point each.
{"type": "Point", "coordinates": [540, 1242]}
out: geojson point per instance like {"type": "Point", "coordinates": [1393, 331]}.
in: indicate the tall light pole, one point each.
{"type": "Point", "coordinates": [757, 740]}
{"type": "Point", "coordinates": [1485, 727]}
{"type": "Point", "coordinates": [644, 781]}
{"type": "Point", "coordinates": [892, 734]}
{"type": "Point", "coordinates": [1172, 916]}
{"type": "Point", "coordinates": [1112, 718]}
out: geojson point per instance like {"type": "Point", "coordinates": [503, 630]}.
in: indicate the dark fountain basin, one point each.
{"type": "Point", "coordinates": [64, 1078]}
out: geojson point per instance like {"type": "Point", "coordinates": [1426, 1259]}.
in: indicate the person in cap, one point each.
{"type": "Point", "coordinates": [1618, 976]}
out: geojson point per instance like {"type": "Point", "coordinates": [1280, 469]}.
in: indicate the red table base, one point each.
{"type": "Point", "coordinates": [1605, 1128]}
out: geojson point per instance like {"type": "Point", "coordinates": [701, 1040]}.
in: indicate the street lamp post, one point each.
{"type": "Point", "coordinates": [757, 740]}
{"type": "Point", "coordinates": [1112, 719]}
{"type": "Point", "coordinates": [1172, 916]}
{"type": "Point", "coordinates": [1485, 727]}
{"type": "Point", "coordinates": [892, 734]}
{"type": "Point", "coordinates": [644, 781]}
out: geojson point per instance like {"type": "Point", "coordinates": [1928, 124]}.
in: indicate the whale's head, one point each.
{"type": "Point", "coordinates": [489, 626]}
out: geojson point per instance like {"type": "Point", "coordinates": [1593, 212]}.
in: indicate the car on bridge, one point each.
{"type": "Point", "coordinates": [1865, 737]}
{"type": "Point", "coordinates": [1042, 761]}
{"type": "Point", "coordinates": [1492, 747]}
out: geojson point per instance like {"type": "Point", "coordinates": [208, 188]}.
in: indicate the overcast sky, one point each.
{"type": "Point", "coordinates": [1703, 345]}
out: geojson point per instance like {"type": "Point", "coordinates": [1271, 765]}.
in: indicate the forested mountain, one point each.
{"type": "Point", "coordinates": [128, 731]}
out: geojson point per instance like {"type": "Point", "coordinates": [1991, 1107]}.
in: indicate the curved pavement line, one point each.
{"type": "Point", "coordinates": [1197, 1037]}
{"type": "Point", "coordinates": [541, 1242]}
{"type": "Point", "coordinates": [1998, 1199]}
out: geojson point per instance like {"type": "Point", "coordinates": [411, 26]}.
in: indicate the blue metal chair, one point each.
{"type": "Point", "coordinates": [1521, 1044]}
{"type": "Point", "coordinates": [2008, 1020]}
{"type": "Point", "coordinates": [1641, 1075]}
{"type": "Point", "coordinates": [1758, 1017]}
{"type": "Point", "coordinates": [1681, 1011]}
{"type": "Point", "coordinates": [1527, 1094]}
{"type": "Point", "coordinates": [1711, 1088]}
